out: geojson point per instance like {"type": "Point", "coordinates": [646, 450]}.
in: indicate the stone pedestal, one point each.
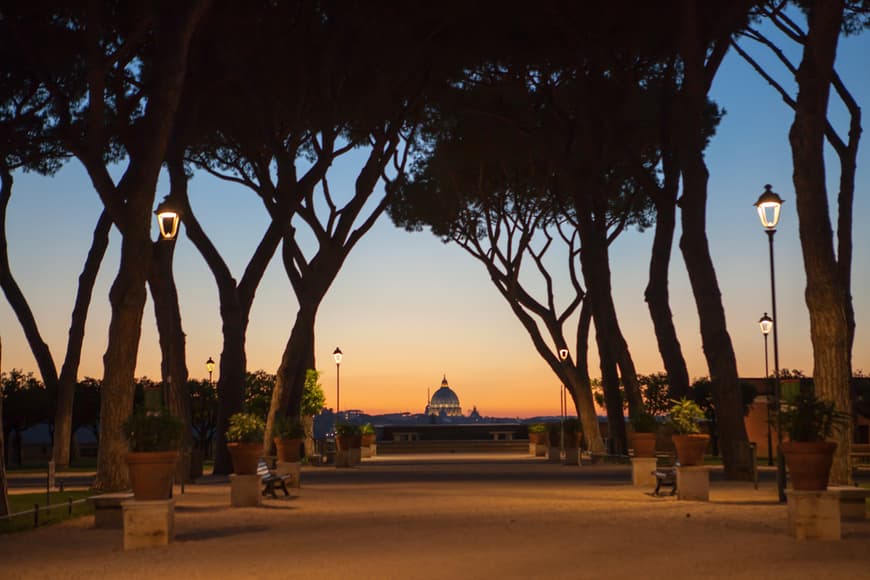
{"type": "Point", "coordinates": [368, 451]}
{"type": "Point", "coordinates": [693, 483]}
{"type": "Point", "coordinates": [572, 456]}
{"type": "Point", "coordinates": [245, 490]}
{"type": "Point", "coordinates": [356, 456]}
{"type": "Point", "coordinates": [554, 455]}
{"type": "Point", "coordinates": [342, 458]}
{"type": "Point", "coordinates": [107, 509]}
{"type": "Point", "coordinates": [853, 501]}
{"type": "Point", "coordinates": [813, 514]}
{"type": "Point", "coordinates": [537, 450]}
{"type": "Point", "coordinates": [642, 469]}
{"type": "Point", "coordinates": [148, 523]}
{"type": "Point", "coordinates": [294, 469]}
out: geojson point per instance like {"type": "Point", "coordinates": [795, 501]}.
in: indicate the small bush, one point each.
{"type": "Point", "coordinates": [153, 430]}
{"type": "Point", "coordinates": [288, 428]}
{"type": "Point", "coordinates": [246, 428]}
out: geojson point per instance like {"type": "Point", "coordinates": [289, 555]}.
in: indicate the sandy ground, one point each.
{"type": "Point", "coordinates": [437, 517]}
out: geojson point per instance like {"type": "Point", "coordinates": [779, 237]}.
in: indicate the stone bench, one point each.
{"type": "Point", "coordinates": [853, 501]}
{"type": "Point", "coordinates": [107, 509]}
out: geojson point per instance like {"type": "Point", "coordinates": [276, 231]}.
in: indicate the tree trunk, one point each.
{"type": "Point", "coordinates": [613, 401]}
{"type": "Point", "coordinates": [718, 350]}
{"type": "Point", "coordinates": [297, 358]}
{"type": "Point", "coordinates": [658, 301]}
{"type": "Point", "coordinates": [826, 297]}
{"type": "Point", "coordinates": [70, 369]}
{"type": "Point", "coordinates": [594, 261]}
{"type": "Point", "coordinates": [136, 189]}
{"type": "Point", "coordinates": [127, 299]}
{"type": "Point", "coordinates": [581, 387]}
{"type": "Point", "coordinates": [4, 492]}
{"type": "Point", "coordinates": [173, 365]}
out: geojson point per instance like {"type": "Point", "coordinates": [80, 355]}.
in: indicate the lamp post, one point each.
{"type": "Point", "coordinates": [209, 366]}
{"type": "Point", "coordinates": [336, 354]}
{"type": "Point", "coordinates": [766, 324]}
{"type": "Point", "coordinates": [769, 205]}
{"type": "Point", "coordinates": [563, 404]}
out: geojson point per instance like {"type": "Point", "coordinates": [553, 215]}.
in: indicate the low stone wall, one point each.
{"type": "Point", "coordinates": [410, 447]}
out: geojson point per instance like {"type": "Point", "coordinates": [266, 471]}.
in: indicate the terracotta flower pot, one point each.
{"type": "Point", "coordinates": [539, 438]}
{"type": "Point", "coordinates": [809, 463]}
{"type": "Point", "coordinates": [369, 440]}
{"type": "Point", "coordinates": [151, 473]}
{"type": "Point", "coordinates": [288, 449]}
{"type": "Point", "coordinates": [572, 440]}
{"type": "Point", "coordinates": [691, 448]}
{"type": "Point", "coordinates": [554, 438]}
{"type": "Point", "coordinates": [345, 442]}
{"type": "Point", "coordinates": [644, 444]}
{"type": "Point", "coordinates": [245, 456]}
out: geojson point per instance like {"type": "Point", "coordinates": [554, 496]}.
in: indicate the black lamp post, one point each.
{"type": "Point", "coordinates": [336, 354]}
{"type": "Point", "coordinates": [563, 404]}
{"type": "Point", "coordinates": [209, 365]}
{"type": "Point", "coordinates": [769, 205]}
{"type": "Point", "coordinates": [766, 324]}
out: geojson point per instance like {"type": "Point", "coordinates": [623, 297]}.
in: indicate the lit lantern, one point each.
{"type": "Point", "coordinates": [167, 218]}
{"type": "Point", "coordinates": [768, 205]}
{"type": "Point", "coordinates": [766, 324]}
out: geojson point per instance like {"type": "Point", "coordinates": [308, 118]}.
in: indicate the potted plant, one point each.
{"type": "Point", "coordinates": [554, 432]}
{"type": "Point", "coordinates": [347, 436]}
{"type": "Point", "coordinates": [689, 442]}
{"type": "Point", "coordinates": [367, 432]}
{"type": "Point", "coordinates": [288, 433]}
{"type": "Point", "coordinates": [809, 421]}
{"type": "Point", "coordinates": [642, 437]}
{"type": "Point", "coordinates": [573, 433]}
{"type": "Point", "coordinates": [154, 438]}
{"type": "Point", "coordinates": [245, 442]}
{"type": "Point", "coordinates": [538, 434]}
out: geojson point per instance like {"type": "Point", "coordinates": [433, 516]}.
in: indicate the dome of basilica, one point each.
{"type": "Point", "coordinates": [444, 402]}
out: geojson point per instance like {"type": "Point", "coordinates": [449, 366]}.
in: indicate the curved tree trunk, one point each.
{"type": "Point", "coordinates": [581, 387]}
{"type": "Point", "coordinates": [826, 296]}
{"type": "Point", "coordinates": [173, 366]}
{"type": "Point", "coordinates": [4, 495]}
{"type": "Point", "coordinates": [63, 433]}
{"type": "Point", "coordinates": [658, 300]}
{"type": "Point", "coordinates": [718, 350]}
{"type": "Point", "coordinates": [613, 401]}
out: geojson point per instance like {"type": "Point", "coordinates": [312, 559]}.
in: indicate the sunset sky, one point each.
{"type": "Point", "coordinates": [407, 308]}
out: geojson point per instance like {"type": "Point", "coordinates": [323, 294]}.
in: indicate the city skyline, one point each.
{"type": "Point", "coordinates": [406, 309]}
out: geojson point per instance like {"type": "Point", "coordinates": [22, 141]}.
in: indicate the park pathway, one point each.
{"type": "Point", "coordinates": [442, 517]}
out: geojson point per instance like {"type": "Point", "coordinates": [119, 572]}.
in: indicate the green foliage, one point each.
{"type": "Point", "coordinates": [644, 423]}
{"type": "Point", "coordinates": [343, 429]}
{"type": "Point", "coordinates": [246, 428]}
{"type": "Point", "coordinates": [684, 416]}
{"type": "Point", "coordinates": [258, 392]}
{"type": "Point", "coordinates": [572, 425]}
{"type": "Point", "coordinates": [288, 428]}
{"type": "Point", "coordinates": [367, 429]}
{"type": "Point", "coordinates": [313, 398]}
{"type": "Point", "coordinates": [153, 430]}
{"type": "Point", "coordinates": [656, 393]}
{"type": "Point", "coordinates": [538, 428]}
{"type": "Point", "coordinates": [808, 418]}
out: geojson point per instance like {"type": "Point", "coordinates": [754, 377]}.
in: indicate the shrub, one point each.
{"type": "Point", "coordinates": [538, 428]}
{"type": "Point", "coordinates": [808, 418]}
{"type": "Point", "coordinates": [153, 430]}
{"type": "Point", "coordinates": [288, 428]}
{"type": "Point", "coordinates": [644, 423]}
{"type": "Point", "coordinates": [246, 428]}
{"type": "Point", "coordinates": [367, 429]}
{"type": "Point", "coordinates": [343, 429]}
{"type": "Point", "coordinates": [684, 417]}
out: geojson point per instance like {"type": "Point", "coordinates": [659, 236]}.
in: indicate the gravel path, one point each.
{"type": "Point", "coordinates": [514, 517]}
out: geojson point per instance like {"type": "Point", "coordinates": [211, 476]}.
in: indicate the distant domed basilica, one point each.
{"type": "Point", "coordinates": [444, 403]}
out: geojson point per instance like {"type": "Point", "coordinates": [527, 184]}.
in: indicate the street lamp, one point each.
{"type": "Point", "coordinates": [563, 404]}
{"type": "Point", "coordinates": [209, 365]}
{"type": "Point", "coordinates": [768, 206]}
{"type": "Point", "coordinates": [168, 217]}
{"type": "Point", "coordinates": [336, 354]}
{"type": "Point", "coordinates": [766, 324]}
